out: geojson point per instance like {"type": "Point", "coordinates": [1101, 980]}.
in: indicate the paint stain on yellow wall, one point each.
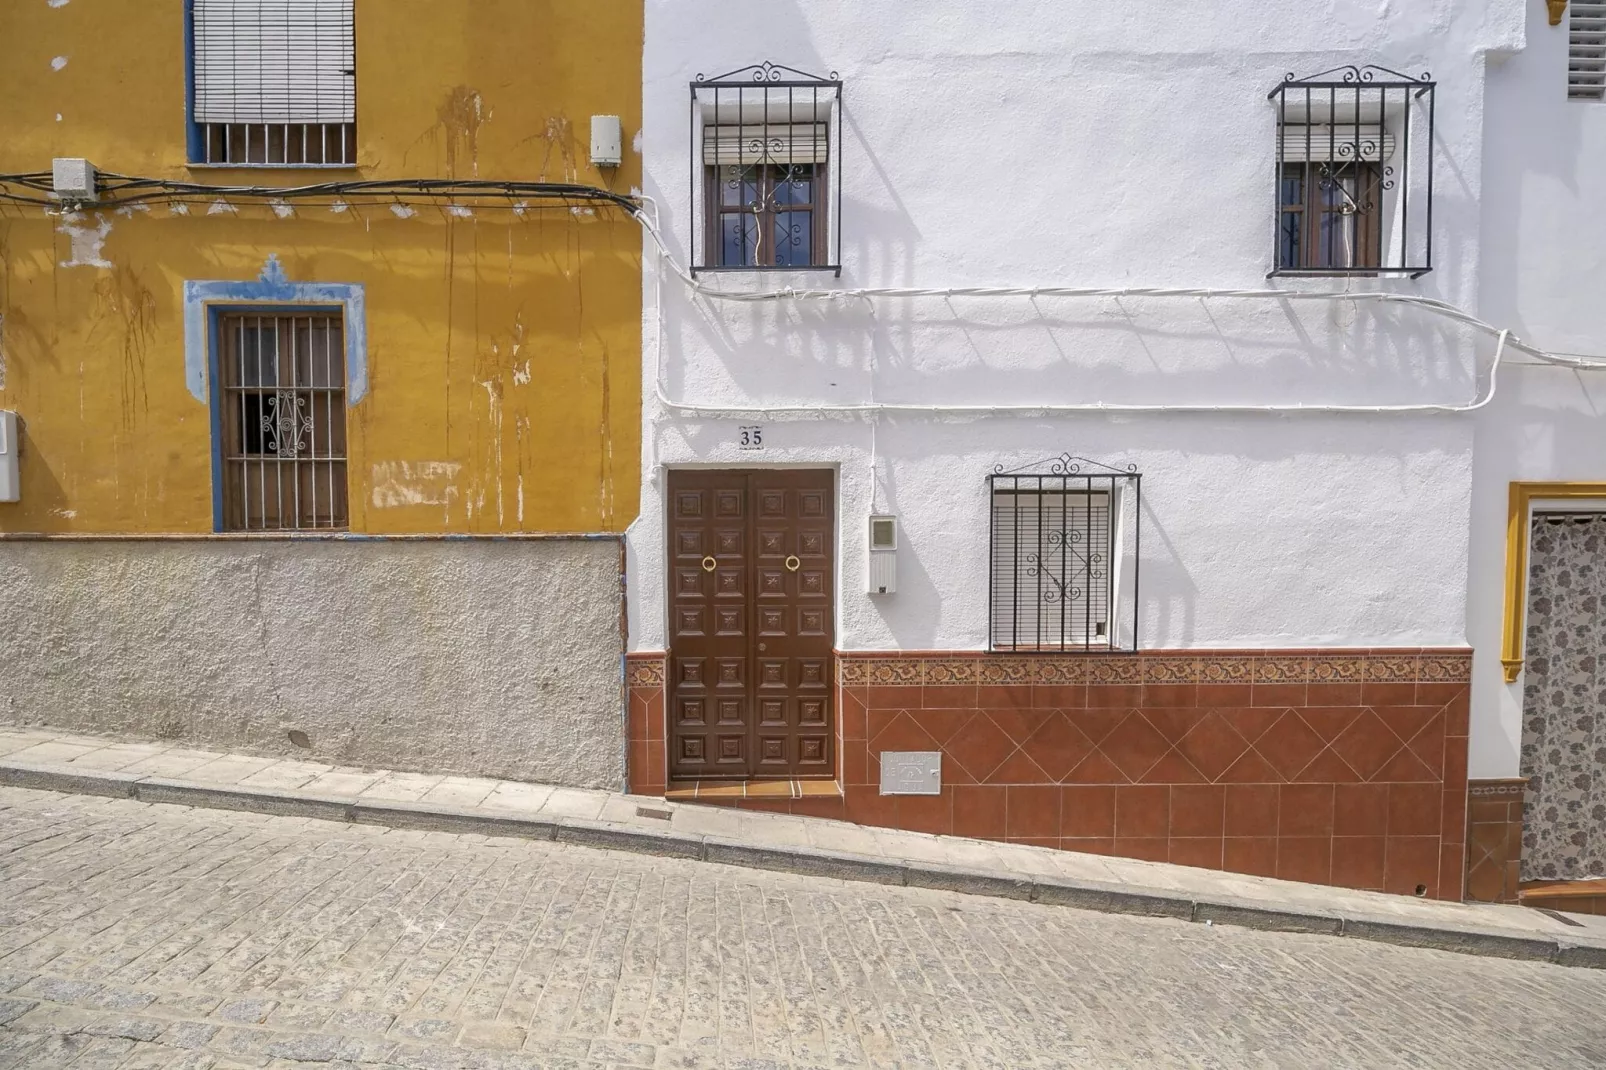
{"type": "Point", "coordinates": [504, 340]}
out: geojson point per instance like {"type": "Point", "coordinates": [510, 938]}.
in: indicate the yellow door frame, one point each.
{"type": "Point", "coordinates": [1518, 518]}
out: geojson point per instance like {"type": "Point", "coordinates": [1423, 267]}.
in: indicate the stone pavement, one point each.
{"type": "Point", "coordinates": [159, 772]}
{"type": "Point", "coordinates": [139, 935]}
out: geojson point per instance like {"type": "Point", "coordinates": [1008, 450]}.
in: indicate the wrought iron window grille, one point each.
{"type": "Point", "coordinates": [765, 171]}
{"type": "Point", "coordinates": [282, 420]}
{"type": "Point", "coordinates": [1065, 542]}
{"type": "Point", "coordinates": [1353, 181]}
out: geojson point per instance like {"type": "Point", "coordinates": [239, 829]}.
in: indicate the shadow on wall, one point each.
{"type": "Point", "coordinates": [1117, 350]}
{"type": "Point", "coordinates": [917, 590]}
{"type": "Point", "coordinates": [1167, 596]}
{"type": "Point", "coordinates": [40, 487]}
{"type": "Point", "coordinates": [1166, 602]}
{"type": "Point", "coordinates": [1532, 197]}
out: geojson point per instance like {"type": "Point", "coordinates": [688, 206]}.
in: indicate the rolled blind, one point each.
{"type": "Point", "coordinates": [1324, 142]}
{"type": "Point", "coordinates": [1586, 50]}
{"type": "Point", "coordinates": [275, 61]}
{"type": "Point", "coordinates": [1051, 568]}
{"type": "Point", "coordinates": [774, 143]}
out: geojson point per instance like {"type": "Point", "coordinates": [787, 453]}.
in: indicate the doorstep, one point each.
{"type": "Point", "coordinates": [1574, 897]}
{"type": "Point", "coordinates": [728, 791]}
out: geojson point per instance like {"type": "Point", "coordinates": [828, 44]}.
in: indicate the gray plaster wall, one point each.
{"type": "Point", "coordinates": [480, 656]}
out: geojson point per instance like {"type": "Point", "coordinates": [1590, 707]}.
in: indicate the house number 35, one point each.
{"type": "Point", "coordinates": [750, 438]}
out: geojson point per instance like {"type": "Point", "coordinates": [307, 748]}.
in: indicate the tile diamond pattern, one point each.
{"type": "Point", "coordinates": [1366, 745]}
{"type": "Point", "coordinates": [1212, 745]}
{"type": "Point", "coordinates": [1289, 745]}
{"type": "Point", "coordinates": [1058, 746]}
{"type": "Point", "coordinates": [1125, 746]}
{"type": "Point", "coordinates": [1341, 766]}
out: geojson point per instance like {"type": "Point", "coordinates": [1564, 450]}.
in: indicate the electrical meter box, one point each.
{"type": "Point", "coordinates": [10, 486]}
{"type": "Point", "coordinates": [607, 149]}
{"type": "Point", "coordinates": [883, 565]}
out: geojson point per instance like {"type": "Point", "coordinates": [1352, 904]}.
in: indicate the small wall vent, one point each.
{"type": "Point", "coordinates": [1586, 50]}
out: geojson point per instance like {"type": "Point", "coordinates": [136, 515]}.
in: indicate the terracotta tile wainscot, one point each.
{"type": "Point", "coordinates": [1343, 767]}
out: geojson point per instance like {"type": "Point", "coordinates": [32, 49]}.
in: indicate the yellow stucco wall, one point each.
{"type": "Point", "coordinates": [503, 348]}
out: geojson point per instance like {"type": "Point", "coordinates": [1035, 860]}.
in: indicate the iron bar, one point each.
{"type": "Point", "coordinates": [274, 420]}
{"type": "Point", "coordinates": [750, 173]}
{"type": "Point", "coordinates": [1054, 586]}
{"type": "Point", "coordinates": [1357, 178]}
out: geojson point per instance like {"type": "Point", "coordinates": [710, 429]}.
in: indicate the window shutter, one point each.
{"type": "Point", "coordinates": [275, 61]}
{"type": "Point", "coordinates": [774, 143]}
{"type": "Point", "coordinates": [1051, 568]}
{"type": "Point", "coordinates": [1336, 142]}
{"type": "Point", "coordinates": [1586, 50]}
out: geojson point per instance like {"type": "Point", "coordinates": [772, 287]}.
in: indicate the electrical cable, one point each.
{"type": "Point", "coordinates": [1503, 337]}
{"type": "Point", "coordinates": [124, 190]}
{"type": "Point", "coordinates": [116, 190]}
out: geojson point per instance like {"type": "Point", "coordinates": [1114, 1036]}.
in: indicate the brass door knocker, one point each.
{"type": "Point", "coordinates": [793, 564]}
{"type": "Point", "coordinates": [708, 564]}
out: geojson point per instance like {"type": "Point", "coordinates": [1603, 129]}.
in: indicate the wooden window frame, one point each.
{"type": "Point", "coordinates": [1368, 254]}
{"type": "Point", "coordinates": [716, 211]}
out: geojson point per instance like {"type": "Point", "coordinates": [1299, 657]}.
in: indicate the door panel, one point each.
{"type": "Point", "coordinates": [751, 623]}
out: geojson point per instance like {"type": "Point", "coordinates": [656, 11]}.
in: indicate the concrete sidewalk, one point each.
{"type": "Point", "coordinates": [157, 772]}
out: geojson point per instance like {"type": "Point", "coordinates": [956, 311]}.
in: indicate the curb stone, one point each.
{"type": "Point", "coordinates": [255, 800]}
{"type": "Point", "coordinates": [1471, 942]}
{"type": "Point", "coordinates": [422, 817]}
{"type": "Point", "coordinates": [806, 860]}
{"type": "Point", "coordinates": [1589, 958]}
{"type": "Point", "coordinates": [842, 865]}
{"type": "Point", "coordinates": [969, 881]}
{"type": "Point", "coordinates": [48, 778]}
{"type": "Point", "coordinates": [623, 838]}
{"type": "Point", "coordinates": [1112, 899]}
{"type": "Point", "coordinates": [1268, 919]}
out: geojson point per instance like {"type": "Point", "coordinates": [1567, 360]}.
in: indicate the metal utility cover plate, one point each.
{"type": "Point", "coordinates": [911, 772]}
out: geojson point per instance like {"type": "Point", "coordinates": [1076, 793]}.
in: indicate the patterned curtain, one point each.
{"type": "Point", "coordinates": [1564, 699]}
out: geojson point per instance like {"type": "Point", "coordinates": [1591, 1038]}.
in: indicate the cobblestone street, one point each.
{"type": "Point", "coordinates": [134, 935]}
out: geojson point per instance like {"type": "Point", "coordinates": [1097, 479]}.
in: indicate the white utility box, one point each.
{"type": "Point", "coordinates": [73, 178]}
{"type": "Point", "coordinates": [607, 149]}
{"type": "Point", "coordinates": [10, 485]}
{"type": "Point", "coordinates": [883, 565]}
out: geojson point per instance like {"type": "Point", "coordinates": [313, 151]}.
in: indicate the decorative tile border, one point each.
{"type": "Point", "coordinates": [1155, 667]}
{"type": "Point", "coordinates": [1168, 667]}
{"type": "Point", "coordinates": [644, 670]}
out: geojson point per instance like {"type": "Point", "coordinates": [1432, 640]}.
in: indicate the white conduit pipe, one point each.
{"type": "Point", "coordinates": [1433, 306]}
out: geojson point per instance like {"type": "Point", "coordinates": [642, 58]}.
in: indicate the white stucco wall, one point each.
{"type": "Point", "coordinates": [498, 657]}
{"type": "Point", "coordinates": [987, 144]}
{"type": "Point", "coordinates": [1544, 257]}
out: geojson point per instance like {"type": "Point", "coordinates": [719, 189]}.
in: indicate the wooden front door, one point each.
{"type": "Point", "coordinates": [750, 623]}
